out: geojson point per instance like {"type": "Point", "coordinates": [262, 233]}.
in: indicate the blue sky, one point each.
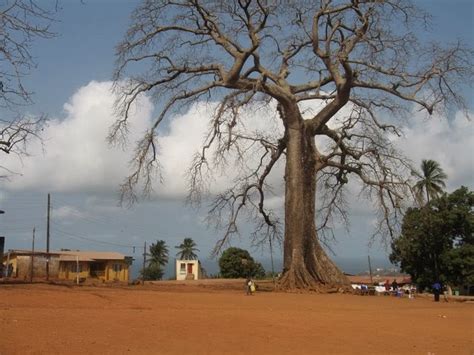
{"type": "Point", "coordinates": [83, 52]}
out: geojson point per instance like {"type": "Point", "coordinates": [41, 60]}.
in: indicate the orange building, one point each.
{"type": "Point", "coordinates": [68, 265]}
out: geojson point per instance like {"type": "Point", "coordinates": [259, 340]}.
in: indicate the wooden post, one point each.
{"type": "Point", "coordinates": [32, 256]}
{"type": "Point", "coordinates": [370, 270]}
{"type": "Point", "coordinates": [8, 263]}
{"type": "Point", "coordinates": [144, 264]}
{"type": "Point", "coordinates": [2, 246]}
{"type": "Point", "coordinates": [47, 238]}
{"type": "Point", "coordinates": [77, 269]}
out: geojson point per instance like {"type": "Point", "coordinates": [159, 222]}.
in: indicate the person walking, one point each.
{"type": "Point", "coordinates": [253, 287]}
{"type": "Point", "coordinates": [387, 287]}
{"type": "Point", "coordinates": [395, 287]}
{"type": "Point", "coordinates": [436, 290]}
{"type": "Point", "coordinates": [248, 286]}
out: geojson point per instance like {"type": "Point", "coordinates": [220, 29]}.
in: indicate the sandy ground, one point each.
{"type": "Point", "coordinates": [218, 318]}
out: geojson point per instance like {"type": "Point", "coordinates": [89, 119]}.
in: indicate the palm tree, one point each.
{"type": "Point", "coordinates": [158, 253]}
{"type": "Point", "coordinates": [157, 259]}
{"type": "Point", "coordinates": [430, 180]}
{"type": "Point", "coordinates": [187, 249]}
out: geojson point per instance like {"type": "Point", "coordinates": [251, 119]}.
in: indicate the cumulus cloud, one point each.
{"type": "Point", "coordinates": [185, 138]}
{"type": "Point", "coordinates": [77, 158]}
{"type": "Point", "coordinates": [76, 155]}
{"type": "Point", "coordinates": [67, 213]}
{"type": "Point", "coordinates": [449, 142]}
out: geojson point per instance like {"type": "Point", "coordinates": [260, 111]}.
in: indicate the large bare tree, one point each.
{"type": "Point", "coordinates": [358, 55]}
{"type": "Point", "coordinates": [21, 22]}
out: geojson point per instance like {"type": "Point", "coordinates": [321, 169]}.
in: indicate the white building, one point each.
{"type": "Point", "coordinates": [188, 270]}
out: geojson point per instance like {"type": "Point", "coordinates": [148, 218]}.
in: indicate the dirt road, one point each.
{"type": "Point", "coordinates": [220, 319]}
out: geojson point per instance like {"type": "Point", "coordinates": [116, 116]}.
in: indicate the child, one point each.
{"type": "Point", "coordinates": [252, 287]}
{"type": "Point", "coordinates": [248, 285]}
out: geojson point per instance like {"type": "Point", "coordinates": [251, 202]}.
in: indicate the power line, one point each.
{"type": "Point", "coordinates": [73, 235]}
{"type": "Point", "coordinates": [18, 223]}
{"type": "Point", "coordinates": [106, 221]}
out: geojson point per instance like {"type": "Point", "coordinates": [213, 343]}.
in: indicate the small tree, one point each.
{"type": "Point", "coordinates": [158, 258]}
{"type": "Point", "coordinates": [437, 240]}
{"type": "Point", "coordinates": [237, 263]}
{"type": "Point", "coordinates": [187, 249]}
{"type": "Point", "coordinates": [152, 272]}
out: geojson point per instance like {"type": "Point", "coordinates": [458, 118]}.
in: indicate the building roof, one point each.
{"type": "Point", "coordinates": [91, 255]}
{"type": "Point", "coordinates": [364, 279]}
{"type": "Point", "coordinates": [74, 258]}
{"type": "Point", "coordinates": [73, 255]}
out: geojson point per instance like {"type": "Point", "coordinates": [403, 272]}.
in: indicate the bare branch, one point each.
{"type": "Point", "coordinates": [339, 75]}
{"type": "Point", "coordinates": [21, 22]}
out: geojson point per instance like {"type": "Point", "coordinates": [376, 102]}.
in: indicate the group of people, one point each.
{"type": "Point", "coordinates": [389, 288]}
{"type": "Point", "coordinates": [394, 288]}
{"type": "Point", "coordinates": [438, 288]}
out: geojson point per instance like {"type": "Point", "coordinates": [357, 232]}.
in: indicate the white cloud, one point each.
{"type": "Point", "coordinates": [185, 138]}
{"type": "Point", "coordinates": [449, 142]}
{"type": "Point", "coordinates": [67, 213]}
{"type": "Point", "coordinates": [76, 156]}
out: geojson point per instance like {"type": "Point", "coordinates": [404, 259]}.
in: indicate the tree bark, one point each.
{"type": "Point", "coordinates": [306, 265]}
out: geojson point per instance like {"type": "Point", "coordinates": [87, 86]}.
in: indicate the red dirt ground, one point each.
{"type": "Point", "coordinates": [218, 318]}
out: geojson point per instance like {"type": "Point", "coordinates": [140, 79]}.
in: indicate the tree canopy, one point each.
{"type": "Point", "coordinates": [187, 249]}
{"type": "Point", "coordinates": [430, 180]}
{"type": "Point", "coordinates": [156, 261]}
{"type": "Point", "coordinates": [237, 263]}
{"type": "Point", "coordinates": [335, 77]}
{"type": "Point", "coordinates": [437, 240]}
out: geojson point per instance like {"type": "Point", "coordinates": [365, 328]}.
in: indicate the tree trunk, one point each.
{"type": "Point", "coordinates": [306, 264]}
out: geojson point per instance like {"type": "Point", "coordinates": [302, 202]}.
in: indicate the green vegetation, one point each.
{"type": "Point", "coordinates": [430, 181]}
{"type": "Point", "coordinates": [236, 263]}
{"type": "Point", "coordinates": [158, 258]}
{"type": "Point", "coordinates": [187, 249]}
{"type": "Point", "coordinates": [437, 240]}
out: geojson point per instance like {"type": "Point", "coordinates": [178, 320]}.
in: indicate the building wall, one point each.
{"type": "Point", "coordinates": [116, 270]}
{"type": "Point", "coordinates": [22, 266]}
{"type": "Point", "coordinates": [68, 270]}
{"type": "Point", "coordinates": [182, 273]}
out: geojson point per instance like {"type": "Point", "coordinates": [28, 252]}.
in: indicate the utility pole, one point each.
{"type": "Point", "coordinates": [370, 270]}
{"type": "Point", "coordinates": [47, 238]}
{"type": "Point", "coordinates": [77, 269]}
{"type": "Point", "coordinates": [144, 264]}
{"type": "Point", "coordinates": [32, 255]}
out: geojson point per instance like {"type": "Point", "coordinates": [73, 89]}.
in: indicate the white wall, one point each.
{"type": "Point", "coordinates": [181, 274]}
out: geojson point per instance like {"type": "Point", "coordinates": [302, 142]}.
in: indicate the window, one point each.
{"type": "Point", "coordinates": [74, 268]}
{"type": "Point", "coordinates": [182, 268]}
{"type": "Point", "coordinates": [117, 267]}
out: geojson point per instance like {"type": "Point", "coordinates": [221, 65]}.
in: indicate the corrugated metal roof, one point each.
{"type": "Point", "coordinates": [93, 255]}
{"type": "Point", "coordinates": [74, 258]}
{"type": "Point", "coordinates": [357, 279]}
{"type": "Point", "coordinates": [70, 255]}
